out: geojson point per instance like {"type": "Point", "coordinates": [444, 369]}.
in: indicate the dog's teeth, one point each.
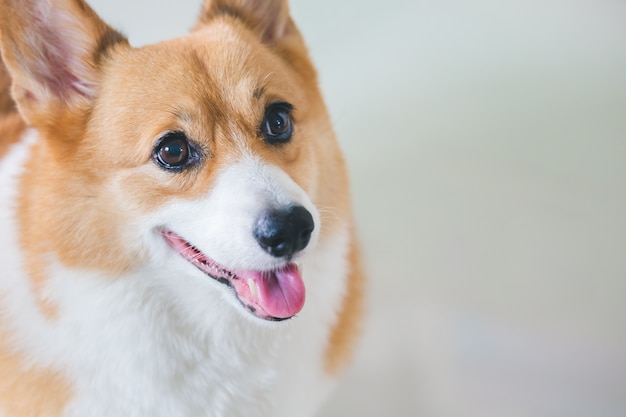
{"type": "Point", "coordinates": [253, 289]}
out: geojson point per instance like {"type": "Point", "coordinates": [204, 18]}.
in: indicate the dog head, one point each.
{"type": "Point", "coordinates": [209, 157]}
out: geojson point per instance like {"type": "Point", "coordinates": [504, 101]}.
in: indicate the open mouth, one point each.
{"type": "Point", "coordinates": [273, 295]}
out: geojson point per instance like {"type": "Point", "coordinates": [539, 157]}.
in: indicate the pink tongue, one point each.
{"type": "Point", "coordinates": [280, 293]}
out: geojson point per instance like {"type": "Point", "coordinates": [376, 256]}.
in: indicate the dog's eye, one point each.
{"type": "Point", "coordinates": [173, 151]}
{"type": "Point", "coordinates": [277, 125]}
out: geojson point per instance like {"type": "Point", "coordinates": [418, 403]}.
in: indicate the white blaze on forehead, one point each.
{"type": "Point", "coordinates": [221, 224]}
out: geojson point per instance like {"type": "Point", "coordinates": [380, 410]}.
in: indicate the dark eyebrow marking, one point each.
{"type": "Point", "coordinates": [108, 39]}
{"type": "Point", "coordinates": [258, 92]}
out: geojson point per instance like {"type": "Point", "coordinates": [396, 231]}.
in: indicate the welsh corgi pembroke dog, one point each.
{"type": "Point", "coordinates": [176, 237]}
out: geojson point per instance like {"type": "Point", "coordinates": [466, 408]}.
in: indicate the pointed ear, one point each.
{"type": "Point", "coordinates": [52, 50]}
{"type": "Point", "coordinates": [269, 18]}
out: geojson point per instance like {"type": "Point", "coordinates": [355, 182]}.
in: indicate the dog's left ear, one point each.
{"type": "Point", "coordinates": [268, 18]}
{"type": "Point", "coordinates": [53, 50]}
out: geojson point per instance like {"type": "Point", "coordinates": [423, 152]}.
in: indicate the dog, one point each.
{"type": "Point", "coordinates": [175, 220]}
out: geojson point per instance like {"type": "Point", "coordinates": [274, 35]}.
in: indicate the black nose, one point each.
{"type": "Point", "coordinates": [281, 233]}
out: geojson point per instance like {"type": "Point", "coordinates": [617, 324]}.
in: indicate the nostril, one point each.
{"type": "Point", "coordinates": [304, 238]}
{"type": "Point", "coordinates": [281, 233]}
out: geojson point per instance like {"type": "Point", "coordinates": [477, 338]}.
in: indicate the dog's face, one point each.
{"type": "Point", "coordinates": [209, 156]}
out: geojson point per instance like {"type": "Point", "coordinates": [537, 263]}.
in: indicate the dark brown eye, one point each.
{"type": "Point", "coordinates": [173, 151]}
{"type": "Point", "coordinates": [277, 125]}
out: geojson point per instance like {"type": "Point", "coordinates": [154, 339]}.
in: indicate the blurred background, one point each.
{"type": "Point", "coordinates": [487, 148]}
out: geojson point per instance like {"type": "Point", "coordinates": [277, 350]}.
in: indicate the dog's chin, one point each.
{"type": "Point", "coordinates": [271, 295]}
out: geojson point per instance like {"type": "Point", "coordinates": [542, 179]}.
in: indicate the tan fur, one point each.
{"type": "Point", "coordinates": [46, 390]}
{"type": "Point", "coordinates": [347, 329]}
{"type": "Point", "coordinates": [11, 127]}
{"type": "Point", "coordinates": [7, 106]}
{"type": "Point", "coordinates": [28, 392]}
{"type": "Point", "coordinates": [96, 151]}
{"type": "Point", "coordinates": [11, 123]}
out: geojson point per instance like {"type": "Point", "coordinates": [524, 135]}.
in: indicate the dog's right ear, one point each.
{"type": "Point", "coordinates": [268, 18]}
{"type": "Point", "coordinates": [52, 50]}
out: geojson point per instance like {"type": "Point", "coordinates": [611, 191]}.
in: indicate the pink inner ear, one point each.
{"type": "Point", "coordinates": [54, 52]}
{"type": "Point", "coordinates": [60, 69]}
{"type": "Point", "coordinates": [273, 17]}
{"type": "Point", "coordinates": [61, 82]}
{"type": "Point", "coordinates": [269, 17]}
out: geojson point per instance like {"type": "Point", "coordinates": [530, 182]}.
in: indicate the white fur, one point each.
{"type": "Point", "coordinates": [166, 340]}
{"type": "Point", "coordinates": [11, 166]}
